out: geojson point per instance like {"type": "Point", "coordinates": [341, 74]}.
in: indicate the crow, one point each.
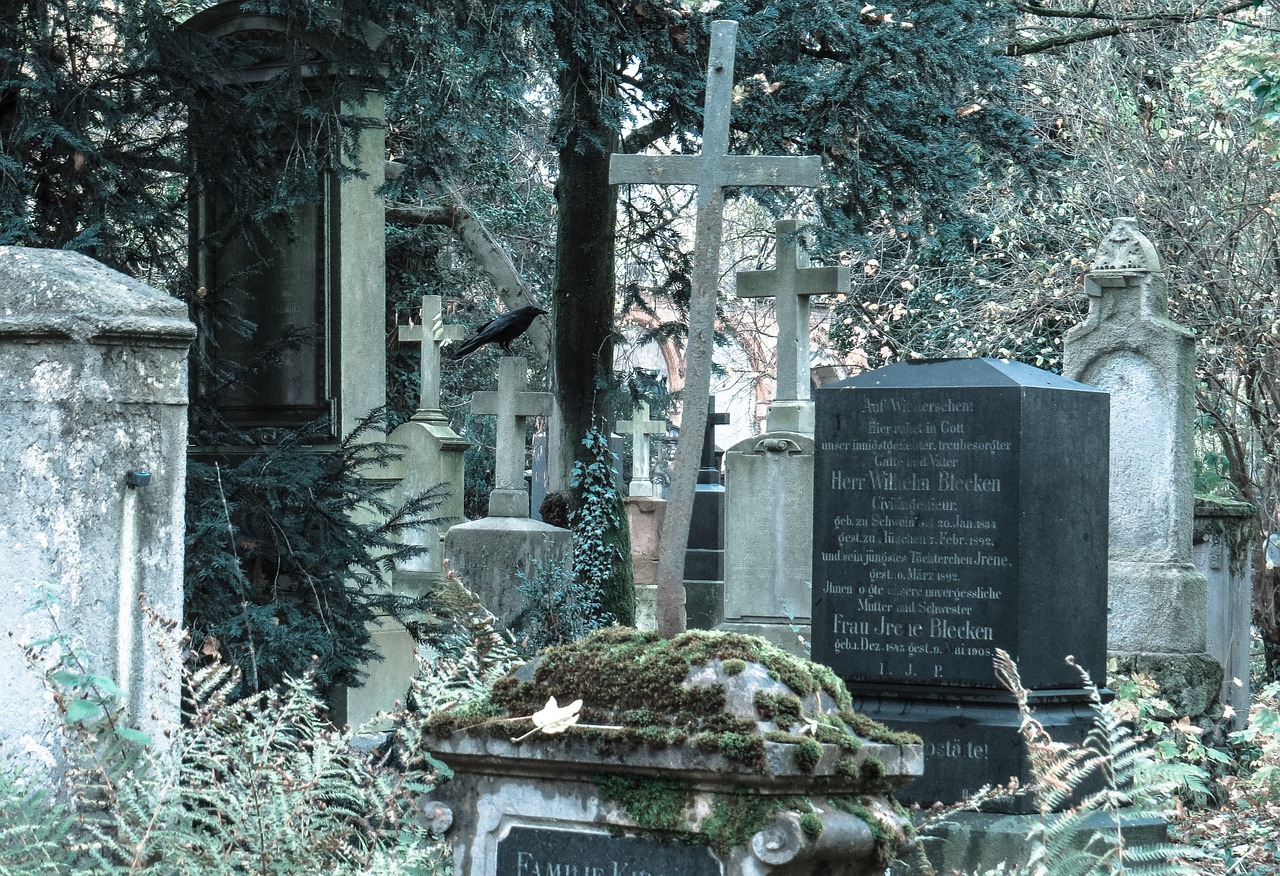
{"type": "Point", "coordinates": [502, 331]}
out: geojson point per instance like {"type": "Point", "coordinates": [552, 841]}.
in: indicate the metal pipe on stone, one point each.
{"type": "Point", "coordinates": [784, 840]}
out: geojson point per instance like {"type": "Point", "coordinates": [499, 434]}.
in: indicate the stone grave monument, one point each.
{"type": "Point", "coordinates": [1222, 551]}
{"type": "Point", "coordinates": [769, 477]}
{"type": "Point", "coordinates": [93, 429]}
{"type": "Point", "coordinates": [488, 554]}
{"type": "Point", "coordinates": [1127, 345]}
{"type": "Point", "coordinates": [432, 455]}
{"type": "Point", "coordinates": [645, 512]}
{"type": "Point", "coordinates": [324, 275]}
{"type": "Point", "coordinates": [961, 506]}
{"type": "Point", "coordinates": [670, 756]}
{"type": "Point", "coordinates": [704, 558]}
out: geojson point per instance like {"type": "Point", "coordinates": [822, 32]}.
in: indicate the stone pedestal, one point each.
{"type": "Point", "coordinates": [93, 426]}
{"type": "Point", "coordinates": [1128, 346]}
{"type": "Point", "coordinates": [640, 784]}
{"type": "Point", "coordinates": [645, 514]}
{"type": "Point", "coordinates": [769, 537]}
{"type": "Point", "coordinates": [960, 506]}
{"type": "Point", "coordinates": [489, 556]}
{"type": "Point", "coordinates": [1223, 552]}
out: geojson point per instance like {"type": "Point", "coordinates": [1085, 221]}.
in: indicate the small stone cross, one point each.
{"type": "Point", "coordinates": [791, 283]}
{"type": "Point", "coordinates": [431, 333]}
{"type": "Point", "coordinates": [512, 404]}
{"type": "Point", "coordinates": [708, 472]}
{"type": "Point", "coordinates": [640, 428]}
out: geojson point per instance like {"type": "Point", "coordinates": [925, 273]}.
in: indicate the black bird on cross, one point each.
{"type": "Point", "coordinates": [501, 330]}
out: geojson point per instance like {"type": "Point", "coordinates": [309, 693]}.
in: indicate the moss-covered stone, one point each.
{"type": "Point", "coordinates": [725, 692]}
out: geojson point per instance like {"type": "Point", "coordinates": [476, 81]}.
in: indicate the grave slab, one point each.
{"type": "Point", "coordinates": [760, 797]}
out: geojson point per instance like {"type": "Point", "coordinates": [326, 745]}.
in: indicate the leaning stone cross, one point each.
{"type": "Point", "coordinates": [710, 171]}
{"type": "Point", "coordinates": [640, 427]}
{"type": "Point", "coordinates": [791, 283]}
{"type": "Point", "coordinates": [512, 404]}
{"type": "Point", "coordinates": [431, 333]}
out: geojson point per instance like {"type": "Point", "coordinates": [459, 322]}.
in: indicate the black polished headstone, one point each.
{"type": "Point", "coordinates": [960, 506]}
{"type": "Point", "coordinates": [530, 851]}
{"type": "Point", "coordinates": [704, 557]}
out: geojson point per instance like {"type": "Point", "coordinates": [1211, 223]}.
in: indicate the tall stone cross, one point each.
{"type": "Point", "coordinates": [710, 171]}
{"type": "Point", "coordinates": [791, 283]}
{"type": "Point", "coordinates": [512, 404]}
{"type": "Point", "coordinates": [431, 334]}
{"type": "Point", "coordinates": [640, 427]}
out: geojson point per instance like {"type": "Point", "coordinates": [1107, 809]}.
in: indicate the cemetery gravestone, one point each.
{"type": "Point", "coordinates": [704, 558]}
{"type": "Point", "coordinates": [769, 478]}
{"type": "Point", "coordinates": [93, 425]}
{"type": "Point", "coordinates": [324, 275]}
{"type": "Point", "coordinates": [432, 454]}
{"type": "Point", "coordinates": [961, 506]}
{"type": "Point", "coordinates": [645, 513]}
{"type": "Point", "coordinates": [627, 791]}
{"type": "Point", "coordinates": [1127, 345]}
{"type": "Point", "coordinates": [491, 554]}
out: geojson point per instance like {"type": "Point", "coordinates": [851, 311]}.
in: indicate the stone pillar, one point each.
{"type": "Point", "coordinates": [1158, 615]}
{"type": "Point", "coordinates": [645, 515]}
{"type": "Point", "coordinates": [490, 554]}
{"type": "Point", "coordinates": [1222, 550]}
{"type": "Point", "coordinates": [93, 428]}
{"type": "Point", "coordinates": [769, 538]}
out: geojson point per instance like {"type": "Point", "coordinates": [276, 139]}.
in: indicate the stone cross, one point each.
{"type": "Point", "coordinates": [512, 404]}
{"type": "Point", "coordinates": [709, 472]}
{"type": "Point", "coordinates": [710, 171]}
{"type": "Point", "coordinates": [431, 333]}
{"type": "Point", "coordinates": [640, 428]}
{"type": "Point", "coordinates": [791, 283]}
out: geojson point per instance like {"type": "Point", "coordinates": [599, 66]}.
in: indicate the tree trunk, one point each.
{"type": "Point", "coordinates": [583, 298]}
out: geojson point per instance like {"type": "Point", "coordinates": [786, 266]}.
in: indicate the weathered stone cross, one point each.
{"type": "Point", "coordinates": [791, 283]}
{"type": "Point", "coordinates": [512, 404]}
{"type": "Point", "coordinates": [431, 333]}
{"type": "Point", "coordinates": [640, 428]}
{"type": "Point", "coordinates": [711, 171]}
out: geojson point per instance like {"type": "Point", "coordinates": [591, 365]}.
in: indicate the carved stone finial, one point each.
{"type": "Point", "coordinates": [1125, 248]}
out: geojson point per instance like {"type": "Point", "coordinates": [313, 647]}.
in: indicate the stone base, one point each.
{"type": "Point", "coordinates": [972, 740]}
{"type": "Point", "coordinates": [785, 636]}
{"type": "Point", "coordinates": [790, 416]}
{"type": "Point", "coordinates": [1192, 683]}
{"type": "Point", "coordinates": [489, 556]}
{"type": "Point", "coordinates": [386, 681]}
{"type": "Point", "coordinates": [703, 604]}
{"type": "Point", "coordinates": [976, 842]}
{"type": "Point", "coordinates": [646, 607]}
{"type": "Point", "coordinates": [1156, 608]}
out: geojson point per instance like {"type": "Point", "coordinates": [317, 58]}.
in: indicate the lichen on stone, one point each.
{"type": "Point", "coordinates": [725, 693]}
